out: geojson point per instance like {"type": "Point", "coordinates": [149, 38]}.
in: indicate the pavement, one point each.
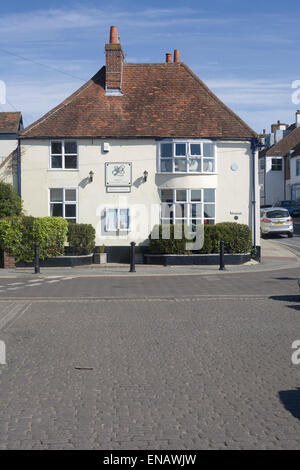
{"type": "Point", "coordinates": [100, 358]}
{"type": "Point", "coordinates": [274, 256]}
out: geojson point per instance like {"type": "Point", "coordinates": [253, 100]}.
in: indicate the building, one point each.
{"type": "Point", "coordinates": [136, 145]}
{"type": "Point", "coordinates": [279, 170]}
{"type": "Point", "coordinates": [10, 126]}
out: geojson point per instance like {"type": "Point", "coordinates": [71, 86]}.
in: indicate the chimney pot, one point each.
{"type": "Point", "coordinates": [168, 57]}
{"type": "Point", "coordinates": [113, 37]}
{"type": "Point", "coordinates": [176, 55]}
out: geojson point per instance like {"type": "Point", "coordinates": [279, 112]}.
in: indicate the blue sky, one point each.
{"type": "Point", "coordinates": [246, 52]}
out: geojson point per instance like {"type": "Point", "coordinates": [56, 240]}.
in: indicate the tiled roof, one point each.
{"type": "Point", "coordinates": [285, 145]}
{"type": "Point", "coordinates": [10, 122]}
{"type": "Point", "coordinates": [159, 100]}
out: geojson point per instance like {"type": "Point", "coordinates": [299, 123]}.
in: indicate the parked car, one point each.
{"type": "Point", "coordinates": [292, 206]}
{"type": "Point", "coordinates": [276, 220]}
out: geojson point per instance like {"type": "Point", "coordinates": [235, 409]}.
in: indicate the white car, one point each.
{"type": "Point", "coordinates": [276, 220]}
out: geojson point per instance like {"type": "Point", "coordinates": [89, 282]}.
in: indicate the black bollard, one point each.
{"type": "Point", "coordinates": [222, 260]}
{"type": "Point", "coordinates": [132, 257]}
{"type": "Point", "coordinates": [37, 258]}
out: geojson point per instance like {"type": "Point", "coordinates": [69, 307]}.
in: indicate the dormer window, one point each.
{"type": "Point", "coordinates": [186, 157]}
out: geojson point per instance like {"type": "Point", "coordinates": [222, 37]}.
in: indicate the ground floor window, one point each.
{"type": "Point", "coordinates": [117, 219]}
{"type": "Point", "coordinates": [63, 203]}
{"type": "Point", "coordinates": [188, 206]}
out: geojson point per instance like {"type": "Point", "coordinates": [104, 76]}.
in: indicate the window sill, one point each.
{"type": "Point", "coordinates": [63, 169]}
{"type": "Point", "coordinates": [186, 173]}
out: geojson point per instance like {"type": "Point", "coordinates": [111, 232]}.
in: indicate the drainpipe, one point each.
{"type": "Point", "coordinates": [19, 166]}
{"type": "Point", "coordinates": [254, 146]}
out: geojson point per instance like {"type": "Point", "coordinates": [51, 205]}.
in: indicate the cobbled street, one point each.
{"type": "Point", "coordinates": [161, 362]}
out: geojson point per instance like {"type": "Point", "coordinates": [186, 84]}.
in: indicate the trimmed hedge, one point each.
{"type": "Point", "coordinates": [170, 245]}
{"type": "Point", "coordinates": [81, 238]}
{"type": "Point", "coordinates": [19, 234]}
{"type": "Point", "coordinates": [237, 239]}
{"type": "Point", "coordinates": [10, 202]}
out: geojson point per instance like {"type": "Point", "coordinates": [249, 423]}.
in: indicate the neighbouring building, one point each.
{"type": "Point", "coordinates": [10, 126]}
{"type": "Point", "coordinates": [279, 167]}
{"type": "Point", "coordinates": [136, 145]}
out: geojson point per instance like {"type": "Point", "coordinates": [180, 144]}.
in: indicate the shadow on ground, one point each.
{"type": "Point", "coordinates": [288, 298]}
{"type": "Point", "coordinates": [291, 401]}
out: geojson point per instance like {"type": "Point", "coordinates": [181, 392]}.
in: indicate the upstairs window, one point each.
{"type": "Point", "coordinates": [297, 167]}
{"type": "Point", "coordinates": [187, 157]}
{"type": "Point", "coordinates": [277, 164]}
{"type": "Point", "coordinates": [64, 155]}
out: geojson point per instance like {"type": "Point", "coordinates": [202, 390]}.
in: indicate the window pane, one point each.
{"type": "Point", "coordinates": [195, 149]}
{"type": "Point", "coordinates": [71, 161]}
{"type": "Point", "coordinates": [166, 166]}
{"type": "Point", "coordinates": [56, 147]}
{"type": "Point", "coordinates": [56, 195]}
{"type": "Point", "coordinates": [166, 150]}
{"type": "Point", "coordinates": [209, 211]}
{"type": "Point", "coordinates": [166, 210]}
{"type": "Point", "coordinates": [70, 210]}
{"type": "Point", "coordinates": [181, 211]}
{"type": "Point", "coordinates": [208, 150]}
{"type": "Point", "coordinates": [180, 164]}
{"type": "Point", "coordinates": [196, 195]}
{"type": "Point", "coordinates": [180, 194]}
{"type": "Point", "coordinates": [180, 150]}
{"type": "Point", "coordinates": [70, 147]}
{"type": "Point", "coordinates": [195, 164]}
{"type": "Point", "coordinates": [111, 219]}
{"type": "Point", "coordinates": [209, 222]}
{"type": "Point", "coordinates": [208, 165]}
{"type": "Point", "coordinates": [209, 195]}
{"type": "Point", "coordinates": [167, 195]}
{"type": "Point", "coordinates": [197, 211]}
{"type": "Point", "coordinates": [56, 210]}
{"type": "Point", "coordinates": [56, 161]}
{"type": "Point", "coordinates": [70, 195]}
{"type": "Point", "coordinates": [124, 219]}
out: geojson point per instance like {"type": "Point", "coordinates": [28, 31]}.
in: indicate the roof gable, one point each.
{"type": "Point", "coordinates": [159, 101]}
{"type": "Point", "coordinates": [285, 145]}
{"type": "Point", "coordinates": [10, 123]}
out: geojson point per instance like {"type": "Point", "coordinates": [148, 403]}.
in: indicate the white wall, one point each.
{"type": "Point", "coordinates": [233, 195]}
{"type": "Point", "coordinates": [7, 145]}
{"type": "Point", "coordinates": [274, 183]}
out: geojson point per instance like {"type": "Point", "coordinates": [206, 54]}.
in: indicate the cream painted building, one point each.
{"type": "Point", "coordinates": [10, 126]}
{"type": "Point", "coordinates": [137, 145]}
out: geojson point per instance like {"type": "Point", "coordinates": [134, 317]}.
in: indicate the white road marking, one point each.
{"type": "Point", "coordinates": [15, 311]}
{"type": "Point", "coordinates": [13, 288]}
{"type": "Point", "coordinates": [51, 282]}
{"type": "Point", "coordinates": [16, 284]}
{"type": "Point", "coordinates": [34, 280]}
{"type": "Point", "coordinates": [33, 285]}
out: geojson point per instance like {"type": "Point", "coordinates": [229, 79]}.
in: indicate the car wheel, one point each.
{"type": "Point", "coordinates": [263, 235]}
{"type": "Point", "coordinates": [290, 235]}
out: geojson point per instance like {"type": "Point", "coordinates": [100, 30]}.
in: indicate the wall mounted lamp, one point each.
{"type": "Point", "coordinates": [91, 175]}
{"type": "Point", "coordinates": [145, 175]}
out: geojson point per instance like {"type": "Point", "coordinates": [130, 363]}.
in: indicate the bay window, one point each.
{"type": "Point", "coordinates": [187, 206]}
{"type": "Point", "coordinates": [186, 157]}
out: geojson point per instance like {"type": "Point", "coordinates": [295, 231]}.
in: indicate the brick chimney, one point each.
{"type": "Point", "coordinates": [168, 57]}
{"type": "Point", "coordinates": [176, 55]}
{"type": "Point", "coordinates": [114, 64]}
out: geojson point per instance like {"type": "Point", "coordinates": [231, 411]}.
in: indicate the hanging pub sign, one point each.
{"type": "Point", "coordinates": [118, 174]}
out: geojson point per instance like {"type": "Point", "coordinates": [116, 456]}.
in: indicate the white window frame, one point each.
{"type": "Point", "coordinates": [62, 141]}
{"type": "Point", "coordinates": [187, 217]}
{"type": "Point", "coordinates": [278, 159]}
{"type": "Point", "coordinates": [118, 228]}
{"type": "Point", "coordinates": [188, 143]}
{"type": "Point", "coordinates": [64, 202]}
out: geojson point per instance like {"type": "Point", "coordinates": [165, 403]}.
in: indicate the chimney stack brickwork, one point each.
{"type": "Point", "coordinates": [114, 61]}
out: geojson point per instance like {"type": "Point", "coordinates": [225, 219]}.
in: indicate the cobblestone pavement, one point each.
{"type": "Point", "coordinates": [174, 367]}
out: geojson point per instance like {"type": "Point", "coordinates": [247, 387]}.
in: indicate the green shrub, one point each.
{"type": "Point", "coordinates": [81, 238]}
{"type": "Point", "coordinates": [19, 234]}
{"type": "Point", "coordinates": [237, 239]}
{"type": "Point", "coordinates": [10, 202]}
{"type": "Point", "coordinates": [172, 244]}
